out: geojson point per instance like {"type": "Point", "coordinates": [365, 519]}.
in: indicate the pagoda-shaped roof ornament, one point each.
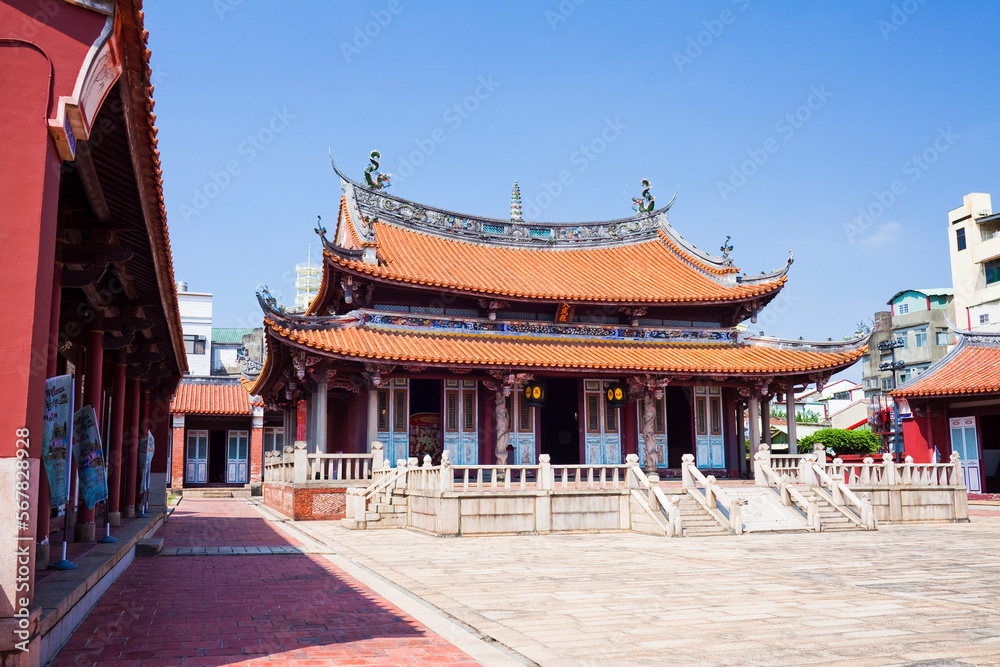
{"type": "Point", "coordinates": [373, 178]}
{"type": "Point", "coordinates": [727, 248]}
{"type": "Point", "coordinates": [515, 203]}
{"type": "Point", "coordinates": [320, 229]}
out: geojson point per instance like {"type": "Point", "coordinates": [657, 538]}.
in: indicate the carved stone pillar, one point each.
{"type": "Point", "coordinates": [649, 430]}
{"type": "Point", "coordinates": [790, 414]}
{"type": "Point", "coordinates": [502, 425]}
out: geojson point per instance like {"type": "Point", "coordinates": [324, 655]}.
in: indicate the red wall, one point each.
{"type": "Point", "coordinates": [917, 439]}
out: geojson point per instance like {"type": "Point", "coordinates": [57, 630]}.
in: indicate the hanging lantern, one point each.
{"type": "Point", "coordinates": [534, 394]}
{"type": "Point", "coordinates": [615, 395]}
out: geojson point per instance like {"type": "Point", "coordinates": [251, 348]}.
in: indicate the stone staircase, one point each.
{"type": "Point", "coordinates": [387, 510]}
{"type": "Point", "coordinates": [831, 519]}
{"type": "Point", "coordinates": [696, 521]}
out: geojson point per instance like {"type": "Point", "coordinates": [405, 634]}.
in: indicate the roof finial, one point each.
{"type": "Point", "coordinates": [727, 248]}
{"type": "Point", "coordinates": [515, 202]}
{"type": "Point", "coordinates": [381, 180]}
{"type": "Point", "coordinates": [320, 229]}
{"type": "Point", "coordinates": [647, 202]}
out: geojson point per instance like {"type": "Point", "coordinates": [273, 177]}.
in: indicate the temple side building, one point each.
{"type": "Point", "coordinates": [502, 339]}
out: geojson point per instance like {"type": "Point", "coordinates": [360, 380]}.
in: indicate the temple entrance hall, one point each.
{"type": "Point", "coordinates": [560, 427]}
{"type": "Point", "coordinates": [425, 434]}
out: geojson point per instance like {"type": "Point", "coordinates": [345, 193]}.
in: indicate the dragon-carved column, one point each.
{"type": "Point", "coordinates": [648, 389]}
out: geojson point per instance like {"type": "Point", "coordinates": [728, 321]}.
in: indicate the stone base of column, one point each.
{"type": "Point", "coordinates": [83, 532]}
{"type": "Point", "coordinates": [42, 556]}
{"type": "Point", "coordinates": [129, 511]}
{"type": "Point", "coordinates": [114, 519]}
{"type": "Point", "coordinates": [70, 518]}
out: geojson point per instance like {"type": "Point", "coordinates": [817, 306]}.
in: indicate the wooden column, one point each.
{"type": "Point", "coordinates": [791, 417]}
{"type": "Point", "coordinates": [116, 433]}
{"type": "Point", "coordinates": [44, 491]}
{"type": "Point", "coordinates": [322, 407]}
{"type": "Point", "coordinates": [741, 446]}
{"type": "Point", "coordinates": [77, 404]}
{"type": "Point", "coordinates": [93, 390]}
{"type": "Point", "coordinates": [143, 430]}
{"type": "Point", "coordinates": [765, 420]}
{"type": "Point", "coordinates": [131, 461]}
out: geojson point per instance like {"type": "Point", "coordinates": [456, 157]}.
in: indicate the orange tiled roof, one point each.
{"type": "Point", "coordinates": [205, 398]}
{"type": "Point", "coordinates": [498, 350]}
{"type": "Point", "coordinates": [969, 368]}
{"type": "Point", "coordinates": [645, 272]}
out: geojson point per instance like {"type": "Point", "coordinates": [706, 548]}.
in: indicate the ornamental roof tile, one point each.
{"type": "Point", "coordinates": [971, 368]}
{"type": "Point", "coordinates": [373, 343]}
{"type": "Point", "coordinates": [211, 398]}
{"type": "Point", "coordinates": [649, 271]}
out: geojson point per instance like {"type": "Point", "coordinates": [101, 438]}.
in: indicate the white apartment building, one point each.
{"type": "Point", "coordinates": [196, 323]}
{"type": "Point", "coordinates": [974, 240]}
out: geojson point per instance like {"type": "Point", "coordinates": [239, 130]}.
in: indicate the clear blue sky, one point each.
{"type": "Point", "coordinates": [832, 103]}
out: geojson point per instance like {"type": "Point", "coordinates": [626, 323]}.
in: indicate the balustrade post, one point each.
{"type": "Point", "coordinates": [819, 450]}
{"type": "Point", "coordinates": [908, 471]}
{"type": "Point", "coordinates": [300, 462]}
{"type": "Point", "coordinates": [812, 516]}
{"type": "Point", "coordinates": [761, 458]}
{"type": "Point", "coordinates": [956, 470]}
{"type": "Point", "coordinates": [710, 491]}
{"type": "Point", "coordinates": [632, 460]}
{"type": "Point", "coordinates": [807, 473]}
{"type": "Point", "coordinates": [889, 470]}
{"type": "Point", "coordinates": [867, 470]}
{"type": "Point", "coordinates": [736, 515]}
{"type": "Point", "coordinates": [687, 479]}
{"type": "Point", "coordinates": [446, 476]}
{"type": "Point", "coordinates": [546, 478]}
{"type": "Point", "coordinates": [654, 502]}
{"type": "Point", "coordinates": [378, 455]}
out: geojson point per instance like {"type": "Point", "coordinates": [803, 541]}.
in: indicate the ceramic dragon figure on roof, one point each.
{"type": "Point", "coordinates": [647, 203]}
{"type": "Point", "coordinates": [380, 180]}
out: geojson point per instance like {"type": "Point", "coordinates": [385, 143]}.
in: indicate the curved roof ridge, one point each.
{"type": "Point", "coordinates": [831, 346]}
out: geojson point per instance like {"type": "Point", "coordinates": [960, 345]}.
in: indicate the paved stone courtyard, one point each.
{"type": "Point", "coordinates": [923, 594]}
{"type": "Point", "coordinates": [316, 594]}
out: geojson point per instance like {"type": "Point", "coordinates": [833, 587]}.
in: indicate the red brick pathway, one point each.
{"type": "Point", "coordinates": [288, 610]}
{"type": "Point", "coordinates": [223, 522]}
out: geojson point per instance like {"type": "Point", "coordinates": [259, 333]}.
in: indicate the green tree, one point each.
{"type": "Point", "coordinates": [843, 441]}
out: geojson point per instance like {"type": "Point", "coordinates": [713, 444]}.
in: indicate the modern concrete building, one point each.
{"type": "Point", "coordinates": [974, 241]}
{"type": "Point", "coordinates": [196, 321]}
{"type": "Point", "coordinates": [917, 319]}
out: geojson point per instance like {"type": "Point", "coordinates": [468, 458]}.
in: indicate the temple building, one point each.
{"type": "Point", "coordinates": [502, 339]}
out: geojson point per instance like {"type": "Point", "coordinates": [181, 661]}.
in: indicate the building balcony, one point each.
{"type": "Point", "coordinates": [986, 250]}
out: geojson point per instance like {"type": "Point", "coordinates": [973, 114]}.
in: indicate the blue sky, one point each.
{"type": "Point", "coordinates": [779, 122]}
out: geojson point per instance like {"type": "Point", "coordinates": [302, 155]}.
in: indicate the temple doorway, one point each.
{"type": "Point", "coordinates": [559, 417]}
{"type": "Point", "coordinates": [425, 433]}
{"type": "Point", "coordinates": [216, 457]}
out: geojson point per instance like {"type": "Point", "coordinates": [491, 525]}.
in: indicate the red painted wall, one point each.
{"type": "Point", "coordinates": [256, 454]}
{"type": "Point", "coordinates": [916, 442]}
{"type": "Point", "coordinates": [177, 460]}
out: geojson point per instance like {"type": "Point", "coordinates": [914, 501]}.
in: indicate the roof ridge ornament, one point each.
{"type": "Point", "coordinates": [727, 248]}
{"type": "Point", "coordinates": [319, 229]}
{"type": "Point", "coordinates": [648, 202]}
{"type": "Point", "coordinates": [381, 180]}
{"type": "Point", "coordinates": [515, 203]}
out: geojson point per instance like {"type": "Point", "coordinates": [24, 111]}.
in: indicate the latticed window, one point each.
{"type": "Point", "coordinates": [383, 409]}
{"type": "Point", "coordinates": [992, 271]}
{"type": "Point", "coordinates": [593, 413]}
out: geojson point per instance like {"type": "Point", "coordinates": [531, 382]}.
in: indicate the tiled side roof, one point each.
{"type": "Point", "coordinates": [968, 369]}
{"type": "Point", "coordinates": [643, 272]}
{"type": "Point", "coordinates": [211, 398]}
{"type": "Point", "coordinates": [457, 349]}
{"type": "Point", "coordinates": [230, 335]}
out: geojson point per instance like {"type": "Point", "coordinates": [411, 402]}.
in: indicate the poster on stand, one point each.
{"type": "Point", "coordinates": [57, 433]}
{"type": "Point", "coordinates": [92, 473]}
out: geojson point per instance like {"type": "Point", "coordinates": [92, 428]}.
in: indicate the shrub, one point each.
{"type": "Point", "coordinates": [843, 441]}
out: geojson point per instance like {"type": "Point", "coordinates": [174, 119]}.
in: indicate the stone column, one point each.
{"type": "Point", "coordinates": [502, 426]}
{"type": "Point", "coordinates": [93, 390]}
{"type": "Point", "coordinates": [116, 431]}
{"type": "Point", "coordinates": [372, 415]}
{"type": "Point", "coordinates": [52, 368]}
{"type": "Point", "coordinates": [791, 416]}
{"type": "Point", "coordinates": [322, 406]}
{"type": "Point", "coordinates": [648, 431]}
{"type": "Point", "coordinates": [131, 461]}
{"type": "Point", "coordinates": [753, 408]}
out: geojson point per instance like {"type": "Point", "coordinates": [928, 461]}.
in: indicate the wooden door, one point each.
{"type": "Point", "coordinates": [394, 419]}
{"type": "Point", "coordinates": [197, 457]}
{"type": "Point", "coordinates": [237, 445]}
{"type": "Point", "coordinates": [709, 441]}
{"type": "Point", "coordinates": [965, 442]}
{"type": "Point", "coordinates": [602, 426]}
{"type": "Point", "coordinates": [461, 421]}
{"type": "Point", "coordinates": [522, 429]}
